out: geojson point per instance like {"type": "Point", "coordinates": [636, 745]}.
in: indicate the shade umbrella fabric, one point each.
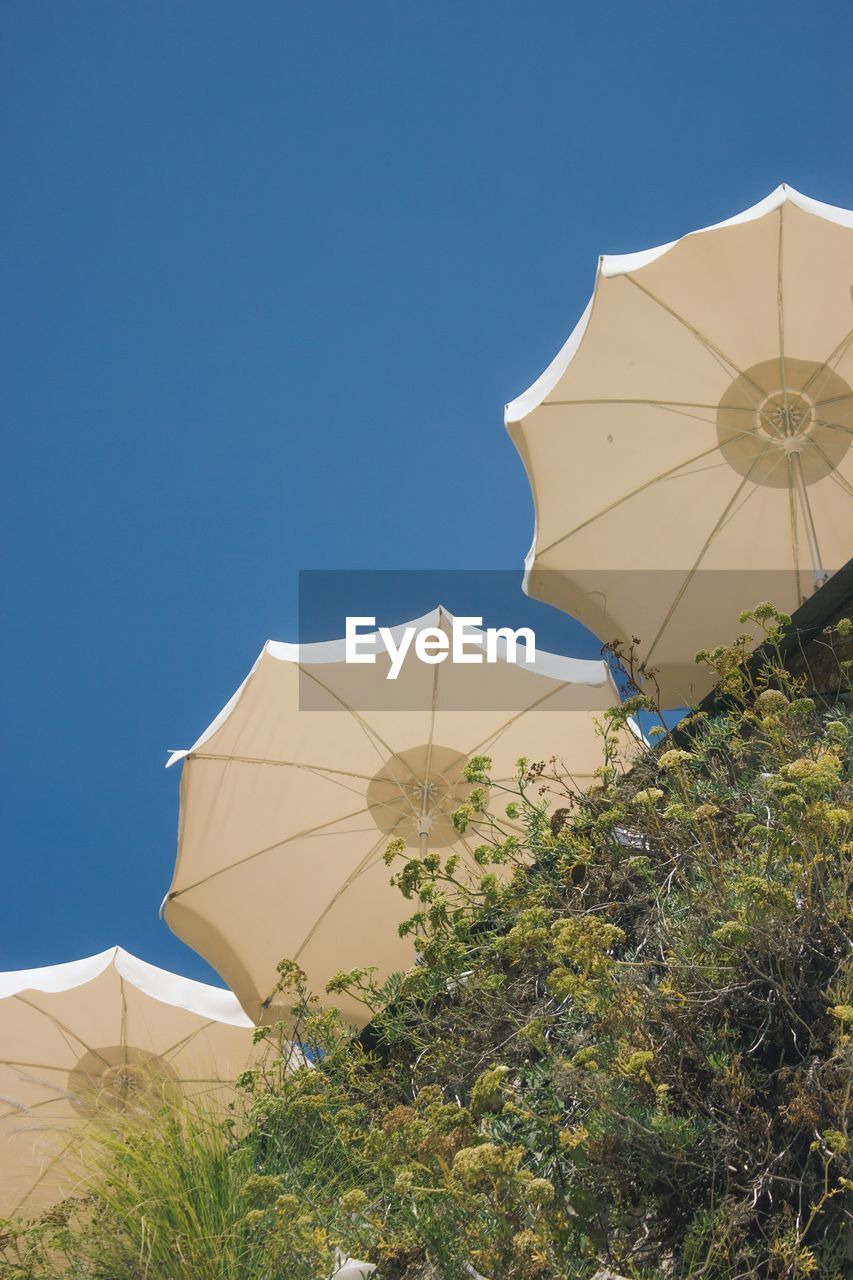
{"type": "Point", "coordinates": [84, 1041]}
{"type": "Point", "coordinates": [689, 447]}
{"type": "Point", "coordinates": [289, 799]}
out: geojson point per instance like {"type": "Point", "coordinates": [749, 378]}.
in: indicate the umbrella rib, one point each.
{"type": "Point", "coordinates": [834, 473]}
{"type": "Point", "coordinates": [185, 1040]}
{"type": "Point", "coordinates": [306, 768]}
{"type": "Point", "coordinates": [64, 1030]}
{"type": "Point", "coordinates": [345, 831]}
{"type": "Point", "coordinates": [492, 738]}
{"type": "Point", "coordinates": [32, 1066]}
{"type": "Point", "coordinates": [843, 484]}
{"type": "Point", "coordinates": [780, 313]}
{"type": "Point", "coordinates": [297, 835]}
{"type": "Point", "coordinates": [652, 402]}
{"type": "Point", "coordinates": [466, 846]}
{"type": "Point", "coordinates": [23, 1109]}
{"type": "Point", "coordinates": [832, 426]}
{"type": "Point", "coordinates": [830, 363]}
{"type": "Point", "coordinates": [575, 774]}
{"type": "Point", "coordinates": [682, 413]}
{"type": "Point", "coordinates": [720, 356]}
{"type": "Point", "coordinates": [401, 814]}
{"type": "Point", "coordinates": [123, 1033]}
{"type": "Point", "coordinates": [369, 731]}
{"type": "Point", "coordinates": [700, 557]}
{"type": "Point", "coordinates": [74, 1137]}
{"type": "Point", "coordinates": [647, 484]}
{"type": "Point", "coordinates": [698, 471]}
{"type": "Point", "coordinates": [794, 525]}
{"type": "Point", "coordinates": [678, 407]}
{"type": "Point", "coordinates": [725, 362]}
{"type": "Point", "coordinates": [746, 498]}
{"type": "Point", "coordinates": [675, 406]}
{"type": "Point", "coordinates": [284, 764]}
{"type": "Point", "coordinates": [795, 531]}
{"type": "Point", "coordinates": [845, 395]}
{"type": "Point", "coordinates": [351, 878]}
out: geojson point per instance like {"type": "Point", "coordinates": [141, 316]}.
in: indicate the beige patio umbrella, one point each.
{"type": "Point", "coordinates": [83, 1041]}
{"type": "Point", "coordinates": [689, 447]}
{"type": "Point", "coordinates": [289, 799]}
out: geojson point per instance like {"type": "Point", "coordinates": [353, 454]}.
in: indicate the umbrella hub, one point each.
{"type": "Point", "coordinates": [780, 410]}
{"type": "Point", "coordinates": [416, 791]}
{"type": "Point", "coordinates": [786, 415]}
{"type": "Point", "coordinates": [120, 1079]}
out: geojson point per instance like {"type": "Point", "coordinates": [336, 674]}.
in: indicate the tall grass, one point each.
{"type": "Point", "coordinates": [182, 1193]}
{"type": "Point", "coordinates": [167, 1199]}
{"type": "Point", "coordinates": [169, 1202]}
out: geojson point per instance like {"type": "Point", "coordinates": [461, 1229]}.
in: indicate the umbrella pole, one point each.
{"type": "Point", "coordinates": [424, 821]}
{"type": "Point", "coordinates": [820, 574]}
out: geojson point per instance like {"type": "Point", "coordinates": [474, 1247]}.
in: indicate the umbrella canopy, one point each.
{"type": "Point", "coordinates": [87, 1039]}
{"type": "Point", "coordinates": [689, 447]}
{"type": "Point", "coordinates": [289, 799]}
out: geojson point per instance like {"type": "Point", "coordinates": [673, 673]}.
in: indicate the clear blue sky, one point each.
{"type": "Point", "coordinates": [269, 273]}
